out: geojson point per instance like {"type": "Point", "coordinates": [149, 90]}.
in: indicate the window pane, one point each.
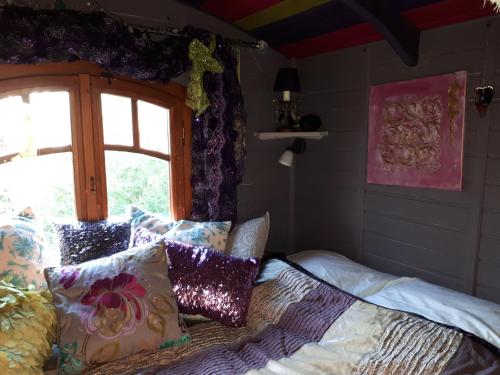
{"type": "Point", "coordinates": [51, 118]}
{"type": "Point", "coordinates": [14, 126]}
{"type": "Point", "coordinates": [44, 183]}
{"type": "Point", "coordinates": [117, 120]}
{"type": "Point", "coordinates": [41, 119]}
{"type": "Point", "coordinates": [137, 179]}
{"type": "Point", "coordinates": [153, 127]}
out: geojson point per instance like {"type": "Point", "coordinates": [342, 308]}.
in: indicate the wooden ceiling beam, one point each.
{"type": "Point", "coordinates": [401, 34]}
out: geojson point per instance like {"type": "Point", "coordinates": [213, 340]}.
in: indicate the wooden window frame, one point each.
{"type": "Point", "coordinates": [85, 81]}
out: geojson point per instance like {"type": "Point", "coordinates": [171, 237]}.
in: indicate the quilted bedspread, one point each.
{"type": "Point", "coordinates": [300, 325]}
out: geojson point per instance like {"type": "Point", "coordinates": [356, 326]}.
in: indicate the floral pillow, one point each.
{"type": "Point", "coordinates": [112, 307]}
{"type": "Point", "coordinates": [21, 249]}
{"type": "Point", "coordinates": [209, 234]}
{"type": "Point", "coordinates": [142, 219]}
{"type": "Point", "coordinates": [28, 325]}
{"type": "Point", "coordinates": [143, 236]}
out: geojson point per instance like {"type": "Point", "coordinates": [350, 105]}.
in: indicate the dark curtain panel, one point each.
{"type": "Point", "coordinates": [218, 142]}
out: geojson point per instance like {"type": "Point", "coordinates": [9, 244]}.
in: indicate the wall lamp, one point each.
{"type": "Point", "coordinates": [297, 147]}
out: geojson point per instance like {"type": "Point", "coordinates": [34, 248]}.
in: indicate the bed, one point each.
{"type": "Point", "coordinates": [446, 306]}
{"type": "Point", "coordinates": [319, 313]}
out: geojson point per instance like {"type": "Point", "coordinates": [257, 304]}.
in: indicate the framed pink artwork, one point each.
{"type": "Point", "coordinates": [416, 132]}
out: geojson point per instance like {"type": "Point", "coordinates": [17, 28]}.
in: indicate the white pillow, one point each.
{"type": "Point", "coordinates": [249, 239]}
{"type": "Point", "coordinates": [345, 274]}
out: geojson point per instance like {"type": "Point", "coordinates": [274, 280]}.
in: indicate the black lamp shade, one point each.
{"type": "Point", "coordinates": [287, 80]}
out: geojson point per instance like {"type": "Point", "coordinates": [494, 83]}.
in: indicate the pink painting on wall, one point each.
{"type": "Point", "coordinates": [416, 132]}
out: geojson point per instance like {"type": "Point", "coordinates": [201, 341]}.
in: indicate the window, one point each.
{"type": "Point", "coordinates": [78, 145]}
{"type": "Point", "coordinates": [137, 153]}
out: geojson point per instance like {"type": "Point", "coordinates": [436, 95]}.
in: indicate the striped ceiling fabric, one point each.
{"type": "Point", "coordinates": [302, 28]}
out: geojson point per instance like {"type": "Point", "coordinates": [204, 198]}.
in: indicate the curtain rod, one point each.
{"type": "Point", "coordinates": [260, 44]}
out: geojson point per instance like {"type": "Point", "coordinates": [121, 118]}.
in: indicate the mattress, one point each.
{"type": "Point", "coordinates": [471, 314]}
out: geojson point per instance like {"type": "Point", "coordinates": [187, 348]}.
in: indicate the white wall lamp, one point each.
{"type": "Point", "coordinates": [297, 147]}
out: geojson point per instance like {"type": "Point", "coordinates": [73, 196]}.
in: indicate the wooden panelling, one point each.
{"type": "Point", "coordinates": [345, 180]}
{"type": "Point", "coordinates": [335, 99]}
{"type": "Point", "coordinates": [342, 119]}
{"type": "Point", "coordinates": [488, 271]}
{"type": "Point", "coordinates": [432, 214]}
{"type": "Point", "coordinates": [267, 184]}
{"type": "Point", "coordinates": [491, 224]}
{"type": "Point", "coordinates": [494, 144]}
{"type": "Point", "coordinates": [344, 79]}
{"type": "Point", "coordinates": [411, 232]}
{"type": "Point", "coordinates": [488, 274]}
{"type": "Point", "coordinates": [341, 141]}
{"type": "Point", "coordinates": [327, 162]}
{"type": "Point", "coordinates": [446, 262]}
{"type": "Point", "coordinates": [459, 198]}
{"type": "Point", "coordinates": [451, 238]}
{"type": "Point", "coordinates": [490, 250]}
{"type": "Point", "coordinates": [493, 294]}
{"type": "Point", "coordinates": [492, 197]}
{"type": "Point", "coordinates": [495, 115]}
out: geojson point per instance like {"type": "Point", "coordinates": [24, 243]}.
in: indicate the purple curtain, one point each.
{"type": "Point", "coordinates": [218, 142]}
{"type": "Point", "coordinates": [29, 36]}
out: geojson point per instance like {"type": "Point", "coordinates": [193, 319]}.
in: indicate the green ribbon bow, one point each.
{"type": "Point", "coordinates": [202, 61]}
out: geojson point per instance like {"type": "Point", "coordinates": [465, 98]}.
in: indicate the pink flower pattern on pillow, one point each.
{"type": "Point", "coordinates": [115, 306]}
{"type": "Point", "coordinates": [69, 277]}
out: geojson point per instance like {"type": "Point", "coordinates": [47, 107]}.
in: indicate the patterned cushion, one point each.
{"type": "Point", "coordinates": [249, 239]}
{"type": "Point", "coordinates": [21, 249]}
{"type": "Point", "coordinates": [87, 240]}
{"type": "Point", "coordinates": [211, 234]}
{"type": "Point", "coordinates": [210, 283]}
{"type": "Point", "coordinates": [142, 219]}
{"type": "Point", "coordinates": [113, 307]}
{"type": "Point", "coordinates": [143, 236]}
{"type": "Point", "coordinates": [28, 325]}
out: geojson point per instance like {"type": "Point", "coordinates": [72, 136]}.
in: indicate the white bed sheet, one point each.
{"type": "Point", "coordinates": [442, 305]}
{"type": "Point", "coordinates": [342, 272]}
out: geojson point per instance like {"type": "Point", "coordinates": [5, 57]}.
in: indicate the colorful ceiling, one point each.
{"type": "Point", "coordinates": [302, 28]}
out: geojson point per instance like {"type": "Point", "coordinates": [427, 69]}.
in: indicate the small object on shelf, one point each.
{"type": "Point", "coordinates": [267, 136]}
{"type": "Point", "coordinates": [287, 108]}
{"type": "Point", "coordinates": [310, 123]}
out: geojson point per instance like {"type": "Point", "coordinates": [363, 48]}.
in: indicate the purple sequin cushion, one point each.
{"type": "Point", "coordinates": [88, 240]}
{"type": "Point", "coordinates": [210, 283]}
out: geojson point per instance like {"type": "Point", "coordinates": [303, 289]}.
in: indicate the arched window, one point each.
{"type": "Point", "coordinates": [77, 144]}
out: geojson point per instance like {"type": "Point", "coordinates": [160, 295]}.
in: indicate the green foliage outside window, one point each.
{"type": "Point", "coordinates": [45, 183]}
